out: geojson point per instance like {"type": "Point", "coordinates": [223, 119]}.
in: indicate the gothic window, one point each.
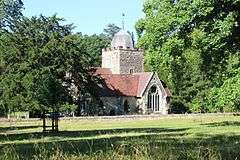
{"type": "Point", "coordinates": [131, 71]}
{"type": "Point", "coordinates": [149, 101]}
{"type": "Point", "coordinates": [153, 100]}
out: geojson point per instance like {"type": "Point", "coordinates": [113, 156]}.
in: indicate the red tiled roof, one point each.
{"type": "Point", "coordinates": [123, 84]}
{"type": "Point", "coordinates": [144, 78]}
{"type": "Point", "coordinates": [119, 85]}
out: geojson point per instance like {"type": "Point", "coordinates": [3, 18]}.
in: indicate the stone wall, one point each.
{"type": "Point", "coordinates": [141, 105]}
{"type": "Point", "coordinates": [120, 61]}
{"type": "Point", "coordinates": [117, 104]}
{"type": "Point", "coordinates": [111, 59]}
{"type": "Point", "coordinates": [131, 117]}
{"type": "Point", "coordinates": [131, 60]}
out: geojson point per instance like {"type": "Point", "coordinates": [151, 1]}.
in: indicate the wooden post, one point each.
{"type": "Point", "coordinates": [44, 122]}
{"type": "Point", "coordinates": [53, 126]}
{"type": "Point", "coordinates": [56, 119]}
{"type": "Point", "coordinates": [56, 124]}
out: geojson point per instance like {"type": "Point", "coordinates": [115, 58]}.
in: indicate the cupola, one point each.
{"type": "Point", "coordinates": [122, 40]}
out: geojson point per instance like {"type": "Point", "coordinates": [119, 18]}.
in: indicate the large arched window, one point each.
{"type": "Point", "coordinates": [153, 100]}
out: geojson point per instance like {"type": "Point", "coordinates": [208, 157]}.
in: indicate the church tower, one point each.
{"type": "Point", "coordinates": [122, 57]}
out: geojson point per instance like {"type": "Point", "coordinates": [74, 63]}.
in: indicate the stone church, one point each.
{"type": "Point", "coordinates": [125, 88]}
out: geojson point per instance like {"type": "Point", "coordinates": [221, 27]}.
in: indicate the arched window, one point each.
{"type": "Point", "coordinates": [154, 100]}
{"type": "Point", "coordinates": [131, 71]}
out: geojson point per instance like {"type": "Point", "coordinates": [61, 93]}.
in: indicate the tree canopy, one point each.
{"type": "Point", "coordinates": [44, 66]}
{"type": "Point", "coordinates": [94, 45]}
{"type": "Point", "coordinates": [35, 57]}
{"type": "Point", "coordinates": [194, 46]}
{"type": "Point", "coordinates": [110, 31]}
{"type": "Point", "coordinates": [10, 11]}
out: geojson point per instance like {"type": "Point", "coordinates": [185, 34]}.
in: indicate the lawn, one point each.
{"type": "Point", "coordinates": [189, 137]}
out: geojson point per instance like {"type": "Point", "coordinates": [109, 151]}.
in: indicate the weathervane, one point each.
{"type": "Point", "coordinates": [123, 21]}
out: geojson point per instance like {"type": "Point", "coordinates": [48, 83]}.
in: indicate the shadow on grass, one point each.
{"type": "Point", "coordinates": [227, 146]}
{"type": "Point", "coordinates": [5, 129]}
{"type": "Point", "coordinates": [224, 123]}
{"type": "Point", "coordinates": [161, 140]}
{"type": "Point", "coordinates": [86, 133]}
{"type": "Point", "coordinates": [68, 142]}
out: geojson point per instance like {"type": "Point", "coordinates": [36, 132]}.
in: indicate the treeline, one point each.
{"type": "Point", "coordinates": [36, 54]}
{"type": "Point", "coordinates": [194, 46]}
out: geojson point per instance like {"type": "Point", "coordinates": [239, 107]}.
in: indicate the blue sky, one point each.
{"type": "Point", "coordinates": [89, 16]}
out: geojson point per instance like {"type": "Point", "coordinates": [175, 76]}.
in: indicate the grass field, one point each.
{"type": "Point", "coordinates": [197, 137]}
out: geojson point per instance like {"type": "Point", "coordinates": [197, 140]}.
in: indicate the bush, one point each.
{"type": "Point", "coordinates": [178, 107]}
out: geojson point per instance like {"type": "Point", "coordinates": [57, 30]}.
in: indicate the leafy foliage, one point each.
{"type": "Point", "coordinates": [94, 45]}
{"type": "Point", "coordinates": [110, 31]}
{"type": "Point", "coordinates": [192, 45]}
{"type": "Point", "coordinates": [10, 11]}
{"type": "Point", "coordinates": [35, 58]}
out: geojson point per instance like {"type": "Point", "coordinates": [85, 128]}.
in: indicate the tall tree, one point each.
{"type": "Point", "coordinates": [94, 45]}
{"type": "Point", "coordinates": [35, 57]}
{"type": "Point", "coordinates": [110, 31]}
{"type": "Point", "coordinates": [189, 44]}
{"type": "Point", "coordinates": [10, 11]}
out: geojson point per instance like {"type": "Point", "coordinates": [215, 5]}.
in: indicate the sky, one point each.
{"type": "Point", "coordinates": [88, 16]}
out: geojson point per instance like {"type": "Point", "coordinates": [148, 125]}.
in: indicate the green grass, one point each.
{"type": "Point", "coordinates": [198, 137]}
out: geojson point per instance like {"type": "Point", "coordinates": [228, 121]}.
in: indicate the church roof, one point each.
{"type": "Point", "coordinates": [119, 85]}
{"type": "Point", "coordinates": [123, 84]}
{"type": "Point", "coordinates": [143, 80]}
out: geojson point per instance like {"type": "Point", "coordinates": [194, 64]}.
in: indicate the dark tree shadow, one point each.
{"type": "Point", "coordinates": [227, 146]}
{"type": "Point", "coordinates": [86, 133]}
{"type": "Point", "coordinates": [66, 142]}
{"type": "Point", "coordinates": [5, 129]}
{"type": "Point", "coordinates": [156, 140]}
{"type": "Point", "coordinates": [224, 123]}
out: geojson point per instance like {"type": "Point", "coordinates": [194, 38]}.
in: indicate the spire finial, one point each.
{"type": "Point", "coordinates": [123, 21]}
